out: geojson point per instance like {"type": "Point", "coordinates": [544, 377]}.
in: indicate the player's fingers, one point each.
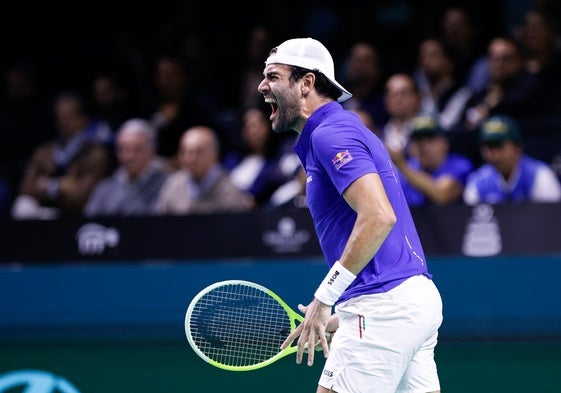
{"type": "Point", "coordinates": [287, 342]}
{"type": "Point", "coordinates": [310, 346]}
{"type": "Point", "coordinates": [305, 344]}
{"type": "Point", "coordinates": [302, 347]}
{"type": "Point", "coordinates": [311, 353]}
{"type": "Point", "coordinates": [325, 340]}
{"type": "Point", "coordinates": [291, 337]}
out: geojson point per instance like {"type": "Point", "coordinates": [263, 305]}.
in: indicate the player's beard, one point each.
{"type": "Point", "coordinates": [288, 113]}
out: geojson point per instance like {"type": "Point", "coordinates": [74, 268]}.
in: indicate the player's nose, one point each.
{"type": "Point", "coordinates": [263, 86]}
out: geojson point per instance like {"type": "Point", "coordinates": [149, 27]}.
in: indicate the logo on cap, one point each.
{"type": "Point", "coordinates": [422, 122]}
{"type": "Point", "coordinates": [499, 128]}
{"type": "Point", "coordinates": [495, 126]}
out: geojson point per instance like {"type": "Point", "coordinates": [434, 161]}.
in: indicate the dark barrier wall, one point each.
{"type": "Point", "coordinates": [520, 229]}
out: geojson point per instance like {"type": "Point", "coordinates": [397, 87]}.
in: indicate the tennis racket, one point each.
{"type": "Point", "coordinates": [239, 325]}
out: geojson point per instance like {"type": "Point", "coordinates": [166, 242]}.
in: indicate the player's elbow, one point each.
{"type": "Point", "coordinates": [390, 219]}
{"type": "Point", "coordinates": [385, 219]}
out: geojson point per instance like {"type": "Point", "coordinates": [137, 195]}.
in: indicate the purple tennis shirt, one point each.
{"type": "Point", "coordinates": [336, 149]}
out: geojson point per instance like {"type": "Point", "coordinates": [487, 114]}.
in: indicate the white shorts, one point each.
{"type": "Point", "coordinates": [385, 341]}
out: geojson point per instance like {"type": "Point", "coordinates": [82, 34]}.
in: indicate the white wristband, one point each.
{"type": "Point", "coordinates": [334, 284]}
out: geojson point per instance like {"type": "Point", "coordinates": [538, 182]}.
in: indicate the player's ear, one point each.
{"type": "Point", "coordinates": [307, 83]}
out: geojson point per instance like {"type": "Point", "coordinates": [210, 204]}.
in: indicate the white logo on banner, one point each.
{"type": "Point", "coordinates": [483, 236]}
{"type": "Point", "coordinates": [94, 238]}
{"type": "Point", "coordinates": [35, 381]}
{"type": "Point", "coordinates": [286, 238]}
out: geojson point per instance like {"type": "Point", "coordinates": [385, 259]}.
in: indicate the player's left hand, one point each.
{"type": "Point", "coordinates": [311, 331]}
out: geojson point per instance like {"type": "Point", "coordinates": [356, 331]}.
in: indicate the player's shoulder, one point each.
{"type": "Point", "coordinates": [339, 129]}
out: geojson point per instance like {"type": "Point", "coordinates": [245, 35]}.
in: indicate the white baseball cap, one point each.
{"type": "Point", "coordinates": [310, 54]}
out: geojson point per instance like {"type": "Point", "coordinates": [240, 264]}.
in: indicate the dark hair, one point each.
{"type": "Point", "coordinates": [323, 85]}
{"type": "Point", "coordinates": [84, 105]}
{"type": "Point", "coordinates": [510, 40]}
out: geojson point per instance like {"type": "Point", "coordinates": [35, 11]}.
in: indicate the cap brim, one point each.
{"type": "Point", "coordinates": [345, 94]}
{"type": "Point", "coordinates": [426, 132]}
{"type": "Point", "coordinates": [494, 139]}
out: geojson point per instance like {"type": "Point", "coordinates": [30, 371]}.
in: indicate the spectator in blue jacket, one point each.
{"type": "Point", "coordinates": [429, 172]}
{"type": "Point", "coordinates": [509, 175]}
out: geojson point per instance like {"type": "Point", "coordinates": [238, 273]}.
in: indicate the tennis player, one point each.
{"type": "Point", "coordinates": [387, 308]}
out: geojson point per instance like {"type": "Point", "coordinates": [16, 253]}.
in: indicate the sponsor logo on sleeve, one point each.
{"type": "Point", "coordinates": [341, 159]}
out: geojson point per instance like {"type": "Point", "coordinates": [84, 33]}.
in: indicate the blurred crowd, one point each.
{"type": "Point", "coordinates": [163, 116]}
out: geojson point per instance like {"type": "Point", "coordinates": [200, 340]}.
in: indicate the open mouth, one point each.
{"type": "Point", "coordinates": [274, 108]}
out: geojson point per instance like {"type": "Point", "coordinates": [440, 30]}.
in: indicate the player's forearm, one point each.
{"type": "Point", "coordinates": [371, 228]}
{"type": "Point", "coordinates": [366, 238]}
{"type": "Point", "coordinates": [375, 219]}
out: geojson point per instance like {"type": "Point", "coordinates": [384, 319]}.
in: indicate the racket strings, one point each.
{"type": "Point", "coordinates": [238, 325]}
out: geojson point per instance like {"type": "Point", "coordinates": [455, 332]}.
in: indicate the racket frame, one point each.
{"type": "Point", "coordinates": [294, 317]}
